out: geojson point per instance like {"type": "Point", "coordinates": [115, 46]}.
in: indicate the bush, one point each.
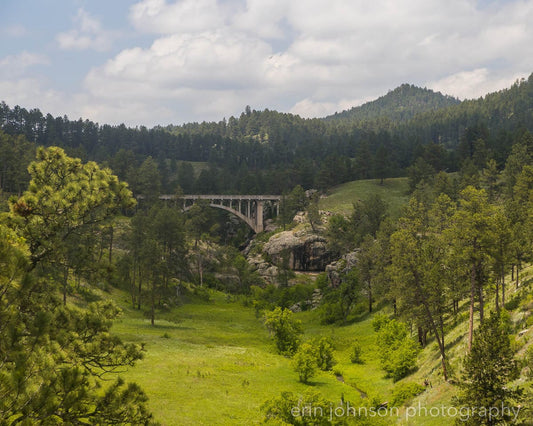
{"type": "Point", "coordinates": [528, 361]}
{"type": "Point", "coordinates": [355, 354]}
{"type": "Point", "coordinates": [403, 392]}
{"type": "Point", "coordinates": [285, 329]}
{"type": "Point", "coordinates": [272, 296]}
{"type": "Point", "coordinates": [512, 304]}
{"type": "Point", "coordinates": [288, 409]}
{"type": "Point", "coordinates": [402, 360]}
{"type": "Point", "coordinates": [324, 353]}
{"type": "Point", "coordinates": [202, 294]}
{"type": "Point", "coordinates": [330, 313]}
{"type": "Point", "coordinates": [379, 321]}
{"type": "Point", "coordinates": [398, 351]}
{"type": "Point", "coordinates": [305, 362]}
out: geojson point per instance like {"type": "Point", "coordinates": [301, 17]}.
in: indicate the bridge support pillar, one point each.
{"type": "Point", "coordinates": [259, 217]}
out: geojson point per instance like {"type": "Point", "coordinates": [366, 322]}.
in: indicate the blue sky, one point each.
{"type": "Point", "coordinates": [150, 62]}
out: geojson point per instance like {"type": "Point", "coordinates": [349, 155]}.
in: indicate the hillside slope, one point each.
{"type": "Point", "coordinates": [399, 105]}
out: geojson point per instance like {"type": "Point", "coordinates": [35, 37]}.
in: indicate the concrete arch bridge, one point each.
{"type": "Point", "coordinates": [249, 208]}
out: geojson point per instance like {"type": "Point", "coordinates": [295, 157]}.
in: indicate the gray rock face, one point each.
{"type": "Point", "coordinates": [345, 264]}
{"type": "Point", "coordinates": [267, 271]}
{"type": "Point", "coordinates": [306, 252]}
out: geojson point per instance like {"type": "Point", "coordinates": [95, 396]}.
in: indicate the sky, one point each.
{"type": "Point", "coordinates": [159, 62]}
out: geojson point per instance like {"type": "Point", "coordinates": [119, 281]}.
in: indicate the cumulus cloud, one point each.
{"type": "Point", "coordinates": [88, 34]}
{"type": "Point", "coordinates": [34, 93]}
{"type": "Point", "coordinates": [212, 60]}
{"type": "Point", "coordinates": [473, 84]}
{"type": "Point", "coordinates": [156, 16]}
{"type": "Point", "coordinates": [15, 65]}
{"type": "Point", "coordinates": [263, 19]}
{"type": "Point", "coordinates": [209, 58]}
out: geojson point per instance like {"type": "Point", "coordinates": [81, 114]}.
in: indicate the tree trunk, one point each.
{"type": "Point", "coordinates": [471, 312]}
{"type": "Point", "coordinates": [200, 270]}
{"type": "Point", "coordinates": [503, 286]}
{"type": "Point", "coordinates": [140, 289]}
{"type": "Point", "coordinates": [481, 302]}
{"type": "Point", "coordinates": [132, 288]}
{"type": "Point", "coordinates": [152, 309]}
{"type": "Point", "coordinates": [369, 297]}
{"type": "Point", "coordinates": [111, 230]}
{"type": "Point", "coordinates": [65, 285]}
{"type": "Point", "coordinates": [439, 335]}
{"type": "Point", "coordinates": [497, 301]}
{"type": "Point", "coordinates": [442, 348]}
{"type": "Point", "coordinates": [422, 336]}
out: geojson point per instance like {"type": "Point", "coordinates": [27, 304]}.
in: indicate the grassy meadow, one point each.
{"type": "Point", "coordinates": [214, 362]}
{"type": "Point", "coordinates": [342, 197]}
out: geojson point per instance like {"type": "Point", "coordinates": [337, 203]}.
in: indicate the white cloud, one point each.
{"type": "Point", "coordinates": [15, 65]}
{"type": "Point", "coordinates": [262, 18]}
{"type": "Point", "coordinates": [156, 16]}
{"type": "Point", "coordinates": [210, 58]}
{"type": "Point", "coordinates": [33, 93]}
{"type": "Point", "coordinates": [88, 34]}
{"type": "Point", "coordinates": [473, 84]}
{"type": "Point", "coordinates": [213, 56]}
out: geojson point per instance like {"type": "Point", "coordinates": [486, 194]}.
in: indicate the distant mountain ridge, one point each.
{"type": "Point", "coordinates": [268, 152]}
{"type": "Point", "coordinates": [399, 105]}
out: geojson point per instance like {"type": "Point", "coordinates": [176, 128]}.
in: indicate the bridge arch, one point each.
{"type": "Point", "coordinates": [248, 208]}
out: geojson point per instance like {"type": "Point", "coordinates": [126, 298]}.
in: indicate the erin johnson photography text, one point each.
{"type": "Point", "coordinates": [462, 413]}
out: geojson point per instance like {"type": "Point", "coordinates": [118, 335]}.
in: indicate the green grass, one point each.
{"type": "Point", "coordinates": [214, 363]}
{"type": "Point", "coordinates": [342, 197]}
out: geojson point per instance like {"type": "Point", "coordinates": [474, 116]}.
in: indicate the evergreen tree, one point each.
{"type": "Point", "coordinates": [488, 368]}
{"type": "Point", "coordinates": [471, 237]}
{"type": "Point", "coordinates": [66, 203]}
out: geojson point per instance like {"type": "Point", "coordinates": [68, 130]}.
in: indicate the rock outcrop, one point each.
{"type": "Point", "coordinates": [297, 250]}
{"type": "Point", "coordinates": [339, 267]}
{"type": "Point", "coordinates": [265, 269]}
{"type": "Point", "coordinates": [305, 251]}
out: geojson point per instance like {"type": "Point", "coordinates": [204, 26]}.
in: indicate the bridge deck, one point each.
{"type": "Point", "coordinates": [223, 197]}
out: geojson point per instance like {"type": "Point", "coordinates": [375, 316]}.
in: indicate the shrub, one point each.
{"type": "Point", "coordinates": [528, 361]}
{"type": "Point", "coordinates": [398, 351]}
{"type": "Point", "coordinates": [305, 362]}
{"type": "Point", "coordinates": [324, 353]}
{"type": "Point", "coordinates": [330, 313]}
{"type": "Point", "coordinates": [272, 296]}
{"type": "Point", "coordinates": [379, 321]}
{"type": "Point", "coordinates": [512, 304]}
{"type": "Point", "coordinates": [289, 408]}
{"type": "Point", "coordinates": [403, 392]}
{"type": "Point", "coordinates": [355, 354]}
{"type": "Point", "coordinates": [285, 329]}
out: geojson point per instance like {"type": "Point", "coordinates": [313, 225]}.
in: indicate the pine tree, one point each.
{"type": "Point", "coordinates": [488, 368]}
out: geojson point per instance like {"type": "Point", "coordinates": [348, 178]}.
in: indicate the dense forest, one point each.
{"type": "Point", "coordinates": [73, 234]}
{"type": "Point", "coordinates": [271, 152]}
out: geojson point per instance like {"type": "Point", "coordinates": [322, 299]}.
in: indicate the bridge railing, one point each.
{"type": "Point", "coordinates": [222, 197]}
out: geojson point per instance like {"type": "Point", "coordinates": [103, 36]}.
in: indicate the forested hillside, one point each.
{"type": "Point", "coordinates": [271, 152]}
{"type": "Point", "coordinates": [399, 105]}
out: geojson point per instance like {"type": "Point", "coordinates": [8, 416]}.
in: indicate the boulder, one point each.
{"type": "Point", "coordinates": [265, 269]}
{"type": "Point", "coordinates": [339, 267]}
{"type": "Point", "coordinates": [305, 251]}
